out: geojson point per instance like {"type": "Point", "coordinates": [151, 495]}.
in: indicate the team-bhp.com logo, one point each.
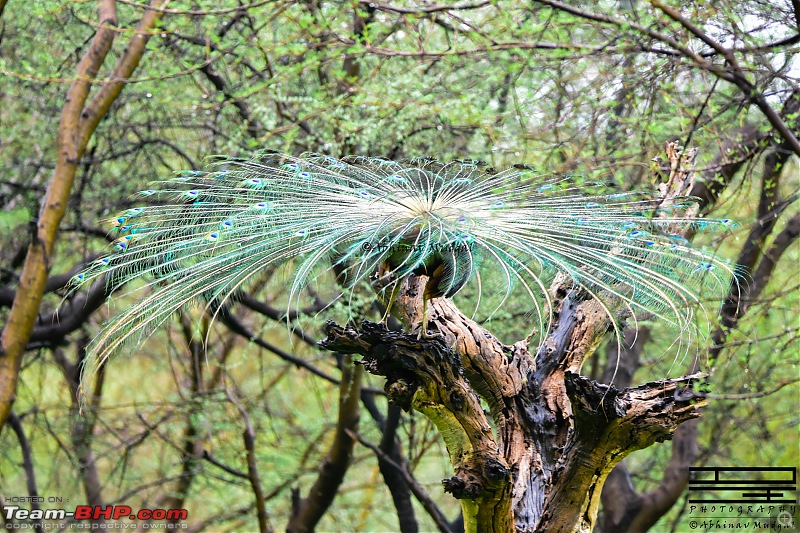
{"type": "Point", "coordinates": [17, 518]}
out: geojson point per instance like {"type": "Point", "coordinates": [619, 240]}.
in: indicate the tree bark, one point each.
{"type": "Point", "coordinates": [557, 435]}
{"type": "Point", "coordinates": [78, 123]}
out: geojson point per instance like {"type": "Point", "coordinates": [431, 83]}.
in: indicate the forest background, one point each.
{"type": "Point", "coordinates": [98, 98]}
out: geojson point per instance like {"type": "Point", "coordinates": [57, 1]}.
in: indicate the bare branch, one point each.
{"type": "Point", "coordinates": [737, 77]}
{"type": "Point", "coordinates": [424, 9]}
{"type": "Point", "coordinates": [161, 8]}
{"type": "Point", "coordinates": [307, 512]}
{"type": "Point", "coordinates": [130, 59]}
{"type": "Point", "coordinates": [235, 325]}
{"type": "Point", "coordinates": [429, 505]}
{"type": "Point", "coordinates": [15, 423]}
{"type": "Point", "coordinates": [249, 438]}
{"type": "Point", "coordinates": [24, 310]}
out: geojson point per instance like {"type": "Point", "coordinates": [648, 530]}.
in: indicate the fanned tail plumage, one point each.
{"type": "Point", "coordinates": [206, 234]}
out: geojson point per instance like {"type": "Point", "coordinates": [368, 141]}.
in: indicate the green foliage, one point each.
{"type": "Point", "coordinates": [454, 84]}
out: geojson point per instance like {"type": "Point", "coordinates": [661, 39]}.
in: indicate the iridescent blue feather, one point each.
{"type": "Point", "coordinates": [205, 235]}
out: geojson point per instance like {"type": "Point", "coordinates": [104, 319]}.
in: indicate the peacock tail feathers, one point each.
{"type": "Point", "coordinates": [204, 234]}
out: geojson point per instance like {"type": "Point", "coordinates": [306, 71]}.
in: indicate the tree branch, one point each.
{"type": "Point", "coordinates": [249, 439]}
{"type": "Point", "coordinates": [133, 53]}
{"type": "Point", "coordinates": [27, 465]}
{"type": "Point", "coordinates": [307, 512]}
{"type": "Point", "coordinates": [732, 75]}
{"type": "Point", "coordinates": [737, 77]}
{"type": "Point", "coordinates": [429, 505]}
{"type": "Point", "coordinates": [24, 310]}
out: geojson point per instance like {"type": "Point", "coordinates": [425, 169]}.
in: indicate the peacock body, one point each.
{"type": "Point", "coordinates": [204, 235]}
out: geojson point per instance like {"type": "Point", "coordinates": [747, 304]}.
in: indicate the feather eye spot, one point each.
{"type": "Point", "coordinates": [148, 192]}
{"type": "Point", "coordinates": [77, 279]}
{"type": "Point", "coordinates": [263, 214]}
{"type": "Point", "coordinates": [122, 243]}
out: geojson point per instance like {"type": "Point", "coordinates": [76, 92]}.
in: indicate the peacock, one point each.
{"type": "Point", "coordinates": [204, 235]}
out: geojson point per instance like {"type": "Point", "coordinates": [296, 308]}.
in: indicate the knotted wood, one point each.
{"type": "Point", "coordinates": [538, 459]}
{"type": "Point", "coordinates": [556, 434]}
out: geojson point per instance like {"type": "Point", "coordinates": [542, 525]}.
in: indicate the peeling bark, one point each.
{"type": "Point", "coordinates": [558, 434]}
{"type": "Point", "coordinates": [538, 459]}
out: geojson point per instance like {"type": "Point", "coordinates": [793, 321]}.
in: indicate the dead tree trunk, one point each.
{"type": "Point", "coordinates": [538, 459]}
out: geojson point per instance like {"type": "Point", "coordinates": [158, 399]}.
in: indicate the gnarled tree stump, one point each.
{"type": "Point", "coordinates": [538, 459]}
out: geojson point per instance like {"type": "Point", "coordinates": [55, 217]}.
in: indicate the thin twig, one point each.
{"type": "Point", "coordinates": [419, 493]}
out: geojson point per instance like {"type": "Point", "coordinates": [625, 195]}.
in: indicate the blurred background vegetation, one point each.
{"type": "Point", "coordinates": [589, 87]}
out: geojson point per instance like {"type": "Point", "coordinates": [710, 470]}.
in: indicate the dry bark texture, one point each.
{"type": "Point", "coordinates": [537, 461]}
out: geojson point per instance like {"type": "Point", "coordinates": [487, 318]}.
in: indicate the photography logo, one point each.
{"type": "Point", "coordinates": [766, 485]}
{"type": "Point", "coordinates": [747, 498]}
